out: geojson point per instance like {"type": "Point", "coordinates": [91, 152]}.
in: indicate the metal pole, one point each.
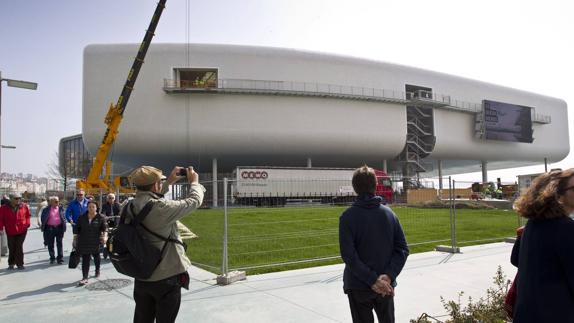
{"type": "Point", "coordinates": [224, 264]}
{"type": "Point", "coordinates": [439, 167]}
{"type": "Point", "coordinates": [451, 201]}
{"type": "Point", "coordinates": [453, 234]}
{"type": "Point", "coordinates": [214, 182]}
{"type": "Point", "coordinates": [0, 123]}
{"type": "Point", "coordinates": [484, 171]}
{"type": "Point", "coordinates": [545, 165]}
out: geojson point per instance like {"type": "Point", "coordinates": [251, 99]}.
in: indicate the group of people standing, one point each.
{"type": "Point", "coordinates": [372, 244]}
{"type": "Point", "coordinates": [89, 226]}
{"type": "Point", "coordinates": [157, 297]}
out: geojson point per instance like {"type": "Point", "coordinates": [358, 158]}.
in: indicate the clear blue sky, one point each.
{"type": "Point", "coordinates": [522, 44]}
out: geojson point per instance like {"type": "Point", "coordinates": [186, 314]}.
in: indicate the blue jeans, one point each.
{"type": "Point", "coordinates": [51, 233]}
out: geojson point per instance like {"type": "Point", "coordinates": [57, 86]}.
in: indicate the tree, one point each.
{"type": "Point", "coordinates": [58, 172]}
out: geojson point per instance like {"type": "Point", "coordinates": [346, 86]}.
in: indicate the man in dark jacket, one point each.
{"type": "Point", "coordinates": [374, 249]}
{"type": "Point", "coordinates": [111, 209]}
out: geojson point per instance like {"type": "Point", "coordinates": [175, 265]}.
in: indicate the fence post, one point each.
{"type": "Point", "coordinates": [227, 277]}
{"type": "Point", "coordinates": [452, 211]}
{"type": "Point", "coordinates": [225, 263]}
{"type": "Point", "coordinates": [453, 228]}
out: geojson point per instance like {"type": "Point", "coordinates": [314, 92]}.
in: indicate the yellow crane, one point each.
{"type": "Point", "coordinates": [98, 178]}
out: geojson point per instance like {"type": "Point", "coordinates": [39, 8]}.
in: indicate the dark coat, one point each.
{"type": "Point", "coordinates": [89, 233]}
{"type": "Point", "coordinates": [545, 283]}
{"type": "Point", "coordinates": [372, 243]}
{"type": "Point", "coordinates": [111, 209]}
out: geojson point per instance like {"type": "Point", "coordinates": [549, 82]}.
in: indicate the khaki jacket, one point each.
{"type": "Point", "coordinates": [162, 220]}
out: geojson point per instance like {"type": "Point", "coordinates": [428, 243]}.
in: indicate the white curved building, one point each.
{"type": "Point", "coordinates": [245, 105]}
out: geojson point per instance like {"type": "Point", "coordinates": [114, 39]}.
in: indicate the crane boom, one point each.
{"type": "Point", "coordinates": [115, 113]}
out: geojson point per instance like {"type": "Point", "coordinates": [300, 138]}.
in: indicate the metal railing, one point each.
{"type": "Point", "coordinates": [247, 86]}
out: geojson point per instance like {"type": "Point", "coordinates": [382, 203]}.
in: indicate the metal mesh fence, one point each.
{"type": "Point", "coordinates": [484, 212]}
{"type": "Point", "coordinates": [207, 225]}
{"type": "Point", "coordinates": [295, 224]}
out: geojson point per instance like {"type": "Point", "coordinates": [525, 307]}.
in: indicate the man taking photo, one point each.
{"type": "Point", "coordinates": [159, 296]}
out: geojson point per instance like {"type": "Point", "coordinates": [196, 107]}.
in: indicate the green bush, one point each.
{"type": "Point", "coordinates": [486, 310]}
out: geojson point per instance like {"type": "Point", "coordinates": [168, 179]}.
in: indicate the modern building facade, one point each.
{"type": "Point", "coordinates": [221, 106]}
{"type": "Point", "coordinates": [74, 160]}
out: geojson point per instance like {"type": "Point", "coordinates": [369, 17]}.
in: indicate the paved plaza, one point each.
{"type": "Point", "coordinates": [49, 293]}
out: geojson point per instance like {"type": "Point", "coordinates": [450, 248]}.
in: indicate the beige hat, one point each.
{"type": "Point", "coordinates": [145, 175]}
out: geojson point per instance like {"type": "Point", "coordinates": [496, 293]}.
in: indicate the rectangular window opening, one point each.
{"type": "Point", "coordinates": [196, 77]}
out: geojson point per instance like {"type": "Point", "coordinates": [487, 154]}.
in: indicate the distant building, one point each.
{"type": "Point", "coordinates": [74, 160]}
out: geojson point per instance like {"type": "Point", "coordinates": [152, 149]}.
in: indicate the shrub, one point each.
{"type": "Point", "coordinates": [488, 310]}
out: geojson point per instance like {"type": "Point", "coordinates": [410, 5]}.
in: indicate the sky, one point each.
{"type": "Point", "coordinates": [522, 44]}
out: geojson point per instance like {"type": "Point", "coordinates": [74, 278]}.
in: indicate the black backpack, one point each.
{"type": "Point", "coordinates": [131, 252]}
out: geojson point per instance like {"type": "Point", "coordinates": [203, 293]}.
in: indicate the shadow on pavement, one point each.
{"type": "Point", "coordinates": [35, 265]}
{"type": "Point", "coordinates": [48, 289]}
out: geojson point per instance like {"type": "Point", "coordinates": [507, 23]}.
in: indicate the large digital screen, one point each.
{"type": "Point", "coordinates": [507, 122]}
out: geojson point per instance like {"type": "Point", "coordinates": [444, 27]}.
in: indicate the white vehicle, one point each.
{"type": "Point", "coordinates": [276, 185]}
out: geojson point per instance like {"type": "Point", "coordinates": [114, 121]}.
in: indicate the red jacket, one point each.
{"type": "Point", "coordinates": [14, 223]}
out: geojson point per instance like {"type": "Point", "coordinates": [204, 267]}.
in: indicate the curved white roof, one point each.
{"type": "Point", "coordinates": [277, 106]}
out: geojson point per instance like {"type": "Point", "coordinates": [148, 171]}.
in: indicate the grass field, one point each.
{"type": "Point", "coordinates": [261, 237]}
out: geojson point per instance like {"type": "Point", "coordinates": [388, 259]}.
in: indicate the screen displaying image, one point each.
{"type": "Point", "coordinates": [507, 122]}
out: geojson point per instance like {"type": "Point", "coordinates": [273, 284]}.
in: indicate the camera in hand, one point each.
{"type": "Point", "coordinates": [182, 172]}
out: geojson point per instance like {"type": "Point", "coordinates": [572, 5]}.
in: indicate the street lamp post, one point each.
{"type": "Point", "coordinates": [12, 83]}
{"type": "Point", "coordinates": [22, 85]}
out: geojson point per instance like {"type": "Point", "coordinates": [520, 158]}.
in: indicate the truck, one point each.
{"type": "Point", "coordinates": [275, 186]}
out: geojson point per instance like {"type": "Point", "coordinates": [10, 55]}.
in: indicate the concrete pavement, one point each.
{"type": "Point", "coordinates": [49, 293]}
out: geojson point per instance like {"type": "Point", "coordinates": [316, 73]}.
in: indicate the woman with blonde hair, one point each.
{"type": "Point", "coordinates": [545, 255]}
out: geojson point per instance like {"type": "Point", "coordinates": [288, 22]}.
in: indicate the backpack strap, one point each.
{"type": "Point", "coordinates": [140, 217]}
{"type": "Point", "coordinates": [124, 212]}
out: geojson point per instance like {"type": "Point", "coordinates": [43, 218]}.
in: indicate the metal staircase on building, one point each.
{"type": "Point", "coordinates": [420, 135]}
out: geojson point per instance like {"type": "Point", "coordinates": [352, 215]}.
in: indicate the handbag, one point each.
{"type": "Point", "coordinates": [74, 259]}
{"type": "Point", "coordinates": [510, 299]}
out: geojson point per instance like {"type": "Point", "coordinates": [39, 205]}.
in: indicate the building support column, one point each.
{"type": "Point", "coordinates": [484, 171]}
{"type": "Point", "coordinates": [439, 167]}
{"type": "Point", "coordinates": [545, 165]}
{"type": "Point", "coordinates": [214, 181]}
{"type": "Point", "coordinates": [385, 167]}
{"type": "Point", "coordinates": [309, 162]}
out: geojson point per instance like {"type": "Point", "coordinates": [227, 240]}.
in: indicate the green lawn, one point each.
{"type": "Point", "coordinates": [275, 236]}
